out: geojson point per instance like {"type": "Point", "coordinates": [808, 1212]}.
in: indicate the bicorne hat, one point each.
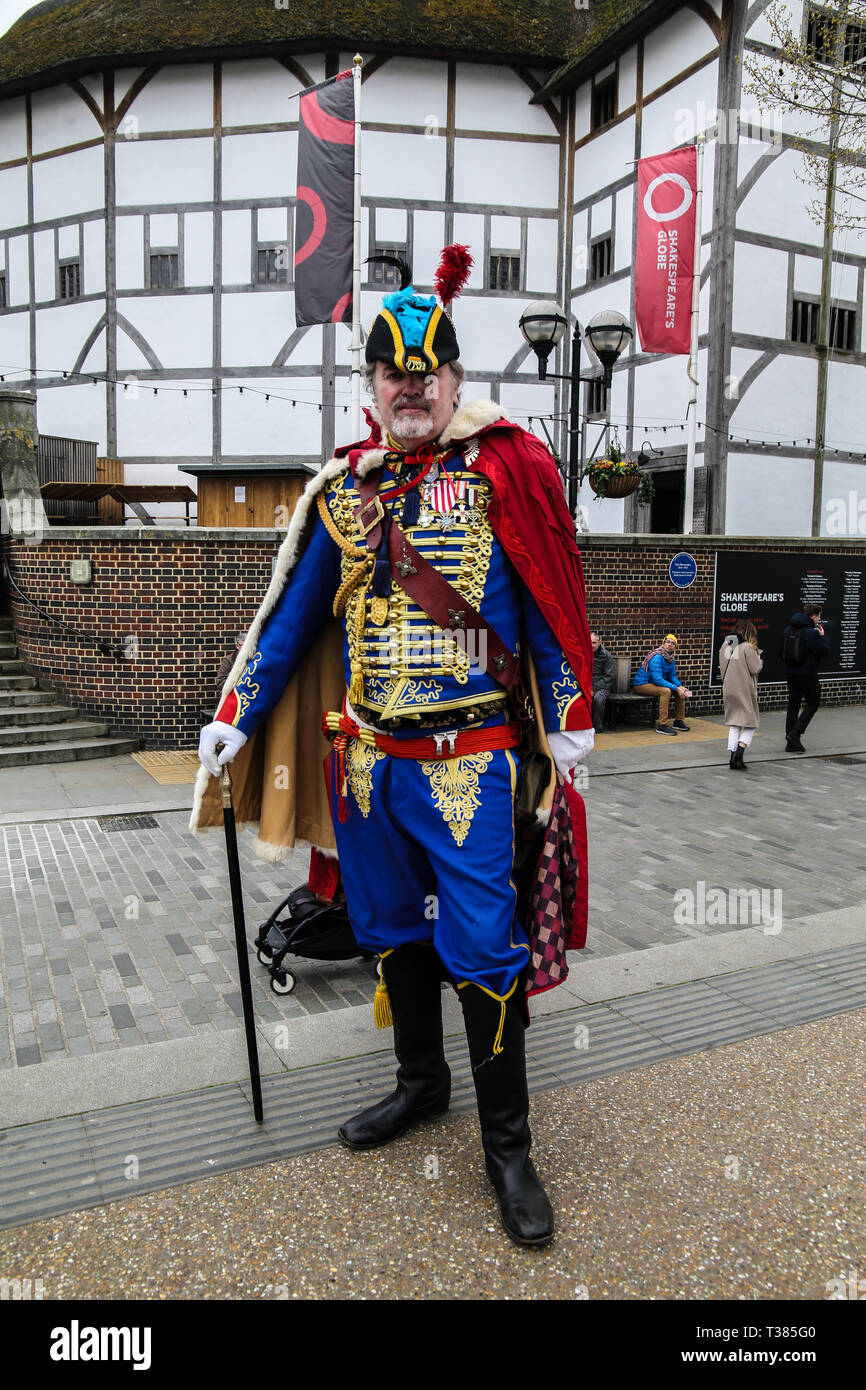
{"type": "Point", "coordinates": [412, 332]}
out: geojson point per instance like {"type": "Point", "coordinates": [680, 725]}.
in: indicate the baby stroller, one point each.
{"type": "Point", "coordinates": [316, 929]}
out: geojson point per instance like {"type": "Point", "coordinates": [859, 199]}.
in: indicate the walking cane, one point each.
{"type": "Point", "coordinates": [241, 939]}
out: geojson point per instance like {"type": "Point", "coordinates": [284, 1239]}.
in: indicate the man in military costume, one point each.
{"type": "Point", "coordinates": [425, 743]}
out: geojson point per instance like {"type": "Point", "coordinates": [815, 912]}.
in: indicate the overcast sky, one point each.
{"type": "Point", "coordinates": [10, 10]}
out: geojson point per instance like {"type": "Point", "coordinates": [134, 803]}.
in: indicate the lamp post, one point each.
{"type": "Point", "coordinates": [543, 325]}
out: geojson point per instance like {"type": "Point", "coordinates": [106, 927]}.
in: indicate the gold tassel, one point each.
{"type": "Point", "coordinates": [381, 1006]}
{"type": "Point", "coordinates": [356, 685]}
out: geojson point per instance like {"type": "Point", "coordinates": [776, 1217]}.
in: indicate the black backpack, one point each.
{"type": "Point", "coordinates": [794, 647]}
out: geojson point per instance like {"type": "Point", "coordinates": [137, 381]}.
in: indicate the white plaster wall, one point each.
{"type": "Point", "coordinates": [129, 253]}
{"type": "Point", "coordinates": [236, 244]}
{"type": "Point", "coordinates": [469, 231]}
{"type": "Point", "coordinates": [673, 119]}
{"type": "Point", "coordinates": [603, 160]}
{"type": "Point", "coordinates": [15, 340]}
{"type": "Point", "coordinates": [169, 423]}
{"type": "Point", "coordinates": [781, 404]}
{"type": "Point", "coordinates": [164, 229]}
{"type": "Point", "coordinates": [18, 272]}
{"type": "Point", "coordinates": [413, 91]}
{"type": "Point", "coordinates": [13, 129]}
{"type": "Point", "coordinates": [13, 197]}
{"type": "Point", "coordinates": [257, 91]}
{"type": "Point", "coordinates": [251, 425]}
{"type": "Point", "coordinates": [178, 328]}
{"type": "Point", "coordinates": [131, 361]}
{"type": "Point", "coordinates": [76, 412]}
{"type": "Point", "coordinates": [61, 117]}
{"type": "Point", "coordinates": [198, 248]}
{"type": "Point", "coordinates": [807, 274]}
{"type": "Point", "coordinates": [843, 284]}
{"type": "Point", "coordinates": [489, 332]}
{"type": "Point", "coordinates": [768, 496]}
{"type": "Point", "coordinates": [776, 204]}
{"type": "Point", "coordinates": [627, 79]}
{"type": "Point", "coordinates": [264, 165]}
{"type": "Point", "coordinates": [760, 291]}
{"type": "Point", "coordinates": [44, 266]}
{"type": "Point", "coordinates": [68, 184]}
{"type": "Point", "coordinates": [273, 224]}
{"type": "Point", "coordinates": [623, 240]}
{"type": "Point", "coordinates": [843, 512]}
{"type": "Point", "coordinates": [580, 270]}
{"type": "Point", "coordinates": [846, 406]}
{"type": "Point", "coordinates": [661, 395]}
{"type": "Point", "coordinates": [176, 98]}
{"type": "Point", "coordinates": [603, 515]}
{"type": "Point", "coordinates": [62, 331]}
{"type": "Point", "coordinates": [509, 173]}
{"type": "Point", "coordinates": [542, 254]}
{"type": "Point", "coordinates": [419, 163]}
{"type": "Point", "coordinates": [96, 359]}
{"type": "Point", "coordinates": [93, 256]}
{"type": "Point", "coordinates": [674, 45]}
{"type": "Point", "coordinates": [522, 402]}
{"type": "Point", "coordinates": [429, 238]}
{"type": "Point", "coordinates": [151, 173]}
{"type": "Point", "coordinates": [255, 326]}
{"type": "Point", "coordinates": [495, 98]}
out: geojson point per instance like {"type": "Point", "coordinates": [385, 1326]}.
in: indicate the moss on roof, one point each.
{"type": "Point", "coordinates": [601, 29]}
{"type": "Point", "coordinates": [61, 38]}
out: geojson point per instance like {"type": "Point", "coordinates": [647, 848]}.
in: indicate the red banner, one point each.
{"type": "Point", "coordinates": [665, 265]}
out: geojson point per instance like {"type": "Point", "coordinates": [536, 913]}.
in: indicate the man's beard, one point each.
{"type": "Point", "coordinates": [407, 427]}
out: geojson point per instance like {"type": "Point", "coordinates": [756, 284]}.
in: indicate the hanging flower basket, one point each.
{"type": "Point", "coordinates": [617, 476]}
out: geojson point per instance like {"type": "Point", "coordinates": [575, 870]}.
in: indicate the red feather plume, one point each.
{"type": "Point", "coordinates": [452, 273]}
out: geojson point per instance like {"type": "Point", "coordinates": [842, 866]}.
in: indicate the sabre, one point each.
{"type": "Point", "coordinates": [241, 939]}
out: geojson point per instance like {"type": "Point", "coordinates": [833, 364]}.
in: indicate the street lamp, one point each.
{"type": "Point", "coordinates": [543, 326]}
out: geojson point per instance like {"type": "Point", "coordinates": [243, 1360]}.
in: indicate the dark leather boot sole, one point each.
{"type": "Point", "coordinates": [537, 1225]}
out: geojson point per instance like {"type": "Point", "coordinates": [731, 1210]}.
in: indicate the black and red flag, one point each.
{"type": "Point", "coordinates": [325, 203]}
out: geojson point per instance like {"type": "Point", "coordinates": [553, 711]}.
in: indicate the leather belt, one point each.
{"type": "Point", "coordinates": [464, 715]}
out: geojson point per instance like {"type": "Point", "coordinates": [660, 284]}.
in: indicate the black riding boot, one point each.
{"type": "Point", "coordinates": [497, 1052]}
{"type": "Point", "coordinates": [412, 976]}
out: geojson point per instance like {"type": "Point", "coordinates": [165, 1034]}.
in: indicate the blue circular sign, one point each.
{"type": "Point", "coordinates": [683, 570]}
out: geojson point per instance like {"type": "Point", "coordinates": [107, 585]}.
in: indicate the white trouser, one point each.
{"type": "Point", "coordinates": [736, 736]}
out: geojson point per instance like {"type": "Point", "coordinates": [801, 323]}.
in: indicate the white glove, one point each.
{"type": "Point", "coordinates": [569, 748]}
{"type": "Point", "coordinates": [215, 733]}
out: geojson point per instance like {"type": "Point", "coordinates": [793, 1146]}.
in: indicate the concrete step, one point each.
{"type": "Point", "coordinates": [6, 623]}
{"type": "Point", "coordinates": [24, 716]}
{"type": "Point", "coordinates": [19, 737]}
{"type": "Point", "coordinates": [67, 752]}
{"type": "Point", "coordinates": [14, 699]}
{"type": "Point", "coordinates": [8, 649]}
{"type": "Point", "coordinates": [17, 683]}
{"type": "Point", "coordinates": [12, 668]}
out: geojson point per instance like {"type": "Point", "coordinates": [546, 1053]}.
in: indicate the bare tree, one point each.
{"type": "Point", "coordinates": [817, 74]}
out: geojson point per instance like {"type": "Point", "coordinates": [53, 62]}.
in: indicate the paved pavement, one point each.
{"type": "Point", "coordinates": [732, 903]}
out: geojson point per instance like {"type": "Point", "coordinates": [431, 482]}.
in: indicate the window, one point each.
{"type": "Point", "coordinates": [855, 44]}
{"type": "Point", "coordinates": [821, 32]}
{"type": "Point", "coordinates": [272, 265]}
{"type": "Point", "coordinates": [4, 302]}
{"type": "Point", "coordinates": [504, 270]}
{"type": "Point", "coordinates": [70, 279]}
{"type": "Point", "coordinates": [596, 399]}
{"type": "Point", "coordinates": [383, 274]}
{"type": "Point", "coordinates": [842, 333]}
{"type": "Point", "coordinates": [164, 270]}
{"type": "Point", "coordinates": [600, 258]}
{"type": "Point", "coordinates": [604, 102]}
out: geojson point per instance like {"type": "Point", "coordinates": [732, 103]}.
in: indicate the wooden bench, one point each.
{"type": "Point", "coordinates": [624, 697]}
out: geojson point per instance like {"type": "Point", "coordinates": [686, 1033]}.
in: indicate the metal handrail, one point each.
{"type": "Point", "coordinates": [105, 646]}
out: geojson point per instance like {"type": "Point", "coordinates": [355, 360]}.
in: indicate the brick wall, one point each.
{"type": "Point", "coordinates": [176, 599]}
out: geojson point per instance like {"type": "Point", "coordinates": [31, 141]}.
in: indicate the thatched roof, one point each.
{"type": "Point", "coordinates": [59, 39]}
{"type": "Point", "coordinates": [601, 32]}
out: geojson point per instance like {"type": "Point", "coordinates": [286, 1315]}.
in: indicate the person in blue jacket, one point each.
{"type": "Point", "coordinates": [804, 686]}
{"type": "Point", "coordinates": [657, 675]}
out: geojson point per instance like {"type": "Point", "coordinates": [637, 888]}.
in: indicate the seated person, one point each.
{"type": "Point", "coordinates": [657, 675]}
{"type": "Point", "coordinates": [603, 672]}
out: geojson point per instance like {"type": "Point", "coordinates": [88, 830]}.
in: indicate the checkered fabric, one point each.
{"type": "Point", "coordinates": [552, 902]}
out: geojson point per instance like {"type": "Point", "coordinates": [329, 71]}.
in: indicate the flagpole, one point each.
{"type": "Point", "coordinates": [692, 368]}
{"type": "Point", "coordinates": [357, 64]}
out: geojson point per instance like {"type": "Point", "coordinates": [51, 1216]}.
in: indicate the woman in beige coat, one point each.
{"type": "Point", "coordinates": [740, 661]}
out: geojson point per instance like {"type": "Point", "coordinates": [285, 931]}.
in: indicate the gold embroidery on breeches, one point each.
{"type": "Point", "coordinates": [361, 758]}
{"type": "Point", "coordinates": [454, 785]}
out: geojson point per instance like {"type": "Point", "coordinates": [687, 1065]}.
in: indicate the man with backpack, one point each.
{"type": "Point", "coordinates": [804, 647]}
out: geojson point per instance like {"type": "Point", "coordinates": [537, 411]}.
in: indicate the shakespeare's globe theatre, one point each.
{"type": "Point", "coordinates": [147, 179]}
